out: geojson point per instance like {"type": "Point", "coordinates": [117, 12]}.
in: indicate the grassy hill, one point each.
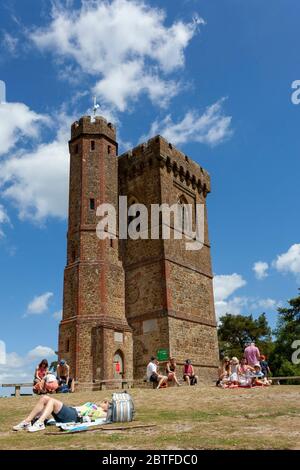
{"type": "Point", "coordinates": [202, 417]}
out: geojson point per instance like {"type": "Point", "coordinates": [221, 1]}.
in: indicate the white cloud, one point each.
{"type": "Point", "coordinates": [3, 215]}
{"type": "Point", "coordinates": [17, 122]}
{"type": "Point", "coordinates": [36, 181]}
{"type": "Point", "coordinates": [124, 44]}
{"type": "Point", "coordinates": [10, 43]}
{"type": "Point", "coordinates": [14, 361]}
{"type": "Point", "coordinates": [289, 262]}
{"type": "Point", "coordinates": [233, 306]}
{"type": "Point", "coordinates": [224, 286]}
{"type": "Point", "coordinates": [240, 305]}
{"type": "Point", "coordinates": [227, 284]}
{"type": "Point", "coordinates": [4, 219]}
{"type": "Point", "coordinates": [39, 304]}
{"type": "Point", "coordinates": [58, 315]}
{"type": "Point", "coordinates": [211, 128]}
{"type": "Point", "coordinates": [18, 369]}
{"type": "Point", "coordinates": [267, 304]}
{"type": "Point", "coordinates": [40, 352]}
{"type": "Point", "coordinates": [260, 269]}
{"type": "Point", "coordinates": [7, 375]}
{"type": "Point", "coordinates": [128, 81]}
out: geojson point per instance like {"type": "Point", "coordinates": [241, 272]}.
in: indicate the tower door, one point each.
{"type": "Point", "coordinates": [118, 365]}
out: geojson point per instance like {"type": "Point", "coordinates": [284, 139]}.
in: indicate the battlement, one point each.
{"type": "Point", "coordinates": [168, 156]}
{"type": "Point", "coordinates": [97, 125]}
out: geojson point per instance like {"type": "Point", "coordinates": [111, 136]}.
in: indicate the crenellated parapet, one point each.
{"type": "Point", "coordinates": [158, 151]}
{"type": "Point", "coordinates": [93, 126]}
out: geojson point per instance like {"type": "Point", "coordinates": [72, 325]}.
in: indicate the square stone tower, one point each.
{"type": "Point", "coordinates": [168, 289]}
{"type": "Point", "coordinates": [125, 300]}
{"type": "Point", "coordinates": [94, 334]}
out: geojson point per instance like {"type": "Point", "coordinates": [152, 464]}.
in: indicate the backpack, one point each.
{"type": "Point", "coordinates": [63, 389]}
{"type": "Point", "coordinates": [121, 408]}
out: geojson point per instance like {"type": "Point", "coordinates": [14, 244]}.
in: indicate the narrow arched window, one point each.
{"type": "Point", "coordinates": [183, 201]}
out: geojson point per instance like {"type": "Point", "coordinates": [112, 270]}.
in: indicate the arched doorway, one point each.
{"type": "Point", "coordinates": [118, 365]}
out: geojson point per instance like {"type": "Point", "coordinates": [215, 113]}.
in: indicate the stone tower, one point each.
{"type": "Point", "coordinates": [94, 333]}
{"type": "Point", "coordinates": [169, 291]}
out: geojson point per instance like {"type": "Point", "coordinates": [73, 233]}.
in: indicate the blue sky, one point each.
{"type": "Point", "coordinates": [213, 76]}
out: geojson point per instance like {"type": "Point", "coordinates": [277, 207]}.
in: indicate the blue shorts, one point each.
{"type": "Point", "coordinates": [67, 414]}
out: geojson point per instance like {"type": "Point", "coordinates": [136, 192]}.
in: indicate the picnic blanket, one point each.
{"type": "Point", "coordinates": [77, 427]}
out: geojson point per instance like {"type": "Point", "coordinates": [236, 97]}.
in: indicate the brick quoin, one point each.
{"type": "Point", "coordinates": [137, 296]}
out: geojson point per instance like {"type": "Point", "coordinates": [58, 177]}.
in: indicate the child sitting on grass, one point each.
{"type": "Point", "coordinates": [258, 378]}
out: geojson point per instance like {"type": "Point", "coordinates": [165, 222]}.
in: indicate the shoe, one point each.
{"type": "Point", "coordinates": [37, 426]}
{"type": "Point", "coordinates": [50, 422]}
{"type": "Point", "coordinates": [21, 426]}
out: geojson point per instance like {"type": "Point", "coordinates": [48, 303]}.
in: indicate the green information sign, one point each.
{"type": "Point", "coordinates": [162, 354]}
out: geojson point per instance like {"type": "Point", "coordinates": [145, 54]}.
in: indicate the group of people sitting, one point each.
{"type": "Point", "coordinates": [253, 370]}
{"type": "Point", "coordinates": [47, 380]}
{"type": "Point", "coordinates": [162, 380]}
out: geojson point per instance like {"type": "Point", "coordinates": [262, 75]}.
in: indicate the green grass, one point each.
{"type": "Point", "coordinates": [185, 418]}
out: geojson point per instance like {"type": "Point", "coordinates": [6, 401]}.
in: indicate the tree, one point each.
{"type": "Point", "coordinates": [287, 332]}
{"type": "Point", "coordinates": [235, 331]}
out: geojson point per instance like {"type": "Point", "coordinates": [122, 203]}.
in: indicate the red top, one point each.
{"type": "Point", "coordinates": [187, 369]}
{"type": "Point", "coordinates": [41, 372]}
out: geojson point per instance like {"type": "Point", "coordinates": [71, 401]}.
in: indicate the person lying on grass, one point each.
{"type": "Point", "coordinates": [48, 406]}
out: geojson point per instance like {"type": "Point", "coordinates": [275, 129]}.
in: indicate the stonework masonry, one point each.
{"type": "Point", "coordinates": [126, 299]}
